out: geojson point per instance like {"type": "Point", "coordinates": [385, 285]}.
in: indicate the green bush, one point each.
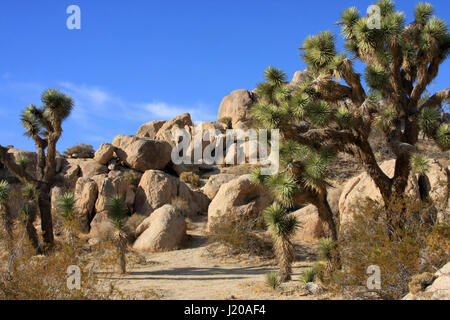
{"type": "Point", "coordinates": [81, 150]}
{"type": "Point", "coordinates": [272, 280]}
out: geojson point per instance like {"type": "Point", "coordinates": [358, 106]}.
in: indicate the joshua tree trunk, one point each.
{"type": "Point", "coordinates": [7, 220]}
{"type": "Point", "coordinates": [122, 248]}
{"type": "Point", "coordinates": [45, 209]}
{"type": "Point", "coordinates": [326, 215]}
{"type": "Point", "coordinates": [285, 252]}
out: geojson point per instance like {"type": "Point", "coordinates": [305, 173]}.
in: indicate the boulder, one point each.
{"type": "Point", "coordinates": [70, 171]}
{"type": "Point", "coordinates": [236, 106]}
{"type": "Point", "coordinates": [55, 193]}
{"type": "Point", "coordinates": [429, 286]}
{"type": "Point", "coordinates": [165, 230]}
{"type": "Point", "coordinates": [86, 192]}
{"type": "Point", "coordinates": [299, 77]}
{"type": "Point", "coordinates": [157, 188]}
{"type": "Point", "coordinates": [90, 168]}
{"type": "Point", "coordinates": [362, 187]}
{"type": "Point", "coordinates": [238, 196]}
{"type": "Point", "coordinates": [181, 122]}
{"type": "Point", "coordinates": [215, 182]}
{"type": "Point", "coordinates": [142, 154]}
{"type": "Point", "coordinates": [311, 228]}
{"type": "Point", "coordinates": [16, 154]}
{"type": "Point", "coordinates": [104, 154]}
{"type": "Point", "coordinates": [150, 129]}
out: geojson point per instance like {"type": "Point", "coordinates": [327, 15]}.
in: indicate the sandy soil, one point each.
{"type": "Point", "coordinates": [192, 273]}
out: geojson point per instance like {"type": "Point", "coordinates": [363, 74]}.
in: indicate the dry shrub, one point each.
{"type": "Point", "coordinates": [23, 275]}
{"type": "Point", "coordinates": [132, 178]}
{"type": "Point", "coordinates": [191, 178]}
{"type": "Point", "coordinates": [80, 151]}
{"type": "Point", "coordinates": [241, 234]}
{"type": "Point", "coordinates": [414, 245]}
{"type": "Point", "coordinates": [226, 121]}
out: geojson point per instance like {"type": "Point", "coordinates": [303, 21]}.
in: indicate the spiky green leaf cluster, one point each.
{"type": "Point", "coordinates": [325, 249]}
{"type": "Point", "coordinates": [423, 11]}
{"type": "Point", "coordinates": [66, 206]}
{"type": "Point", "coordinates": [279, 222]}
{"type": "Point", "coordinates": [443, 136]}
{"type": "Point", "coordinates": [23, 162]}
{"type": "Point", "coordinates": [117, 210]}
{"type": "Point", "coordinates": [5, 188]}
{"type": "Point", "coordinates": [29, 191]}
{"type": "Point", "coordinates": [318, 112]}
{"type": "Point", "coordinates": [343, 116]}
{"type": "Point", "coordinates": [428, 121]}
{"type": "Point", "coordinates": [316, 168]}
{"type": "Point", "coordinates": [319, 51]}
{"type": "Point", "coordinates": [283, 187]}
{"type": "Point", "coordinates": [291, 151]}
{"type": "Point", "coordinates": [419, 163]}
{"type": "Point", "coordinates": [386, 118]}
{"type": "Point", "coordinates": [375, 76]}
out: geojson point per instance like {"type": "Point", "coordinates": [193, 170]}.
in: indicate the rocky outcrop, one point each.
{"type": "Point", "coordinates": [299, 77]}
{"type": "Point", "coordinates": [150, 129]}
{"type": "Point", "coordinates": [236, 106]}
{"type": "Point", "coordinates": [429, 286]}
{"type": "Point", "coordinates": [163, 230]}
{"type": "Point", "coordinates": [86, 192]}
{"type": "Point", "coordinates": [239, 196]}
{"type": "Point", "coordinates": [142, 154]}
{"type": "Point", "coordinates": [362, 187]}
{"type": "Point", "coordinates": [104, 154]}
{"type": "Point", "coordinates": [157, 188]}
{"type": "Point", "coordinates": [181, 122]}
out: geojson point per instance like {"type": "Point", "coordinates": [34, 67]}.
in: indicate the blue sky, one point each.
{"type": "Point", "coordinates": [140, 60]}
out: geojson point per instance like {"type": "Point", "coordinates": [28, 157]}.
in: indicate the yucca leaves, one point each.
{"type": "Point", "coordinates": [325, 249]}
{"type": "Point", "coordinates": [57, 104]}
{"type": "Point", "coordinates": [117, 210]}
{"type": "Point", "coordinates": [5, 189]}
{"type": "Point", "coordinates": [443, 136]}
{"type": "Point", "coordinates": [419, 163]}
{"type": "Point", "coordinates": [279, 223]}
{"type": "Point", "coordinates": [349, 18]}
{"type": "Point", "coordinates": [319, 112]}
{"type": "Point", "coordinates": [375, 76]}
{"type": "Point", "coordinates": [423, 12]}
{"type": "Point", "coordinates": [291, 151]}
{"type": "Point", "coordinates": [23, 162]}
{"type": "Point", "coordinates": [66, 206]}
{"type": "Point", "coordinates": [275, 76]}
{"type": "Point", "coordinates": [29, 192]}
{"type": "Point", "coordinates": [428, 121]}
{"type": "Point", "coordinates": [343, 116]}
{"type": "Point", "coordinates": [319, 51]}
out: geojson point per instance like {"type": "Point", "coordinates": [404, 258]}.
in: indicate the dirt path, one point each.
{"type": "Point", "coordinates": [191, 274]}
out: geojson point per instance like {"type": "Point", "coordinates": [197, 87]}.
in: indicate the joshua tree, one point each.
{"type": "Point", "coordinates": [330, 111]}
{"type": "Point", "coordinates": [282, 227]}
{"type": "Point", "coordinates": [43, 125]}
{"type": "Point", "coordinates": [117, 213]}
{"type": "Point", "coordinates": [66, 208]}
{"type": "Point", "coordinates": [29, 210]}
{"type": "Point", "coordinates": [4, 210]}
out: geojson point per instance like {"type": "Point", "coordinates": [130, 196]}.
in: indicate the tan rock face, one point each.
{"type": "Point", "coordinates": [157, 188]}
{"type": "Point", "coordinates": [70, 171]}
{"type": "Point", "coordinates": [90, 168]}
{"type": "Point", "coordinates": [86, 192]}
{"type": "Point", "coordinates": [238, 196]}
{"type": "Point", "coordinates": [237, 106]}
{"type": "Point", "coordinates": [311, 228]}
{"type": "Point", "coordinates": [142, 154]}
{"type": "Point", "coordinates": [439, 289]}
{"type": "Point", "coordinates": [150, 129]}
{"type": "Point", "coordinates": [215, 182]}
{"type": "Point", "coordinates": [165, 230]}
{"type": "Point", "coordinates": [362, 187]}
{"type": "Point", "coordinates": [299, 77]}
{"type": "Point", "coordinates": [55, 193]}
{"type": "Point", "coordinates": [104, 154]}
{"type": "Point", "coordinates": [16, 154]}
{"type": "Point", "coordinates": [181, 122]}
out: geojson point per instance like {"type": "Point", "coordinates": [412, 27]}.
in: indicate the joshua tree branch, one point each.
{"type": "Point", "coordinates": [19, 172]}
{"type": "Point", "coordinates": [437, 100]}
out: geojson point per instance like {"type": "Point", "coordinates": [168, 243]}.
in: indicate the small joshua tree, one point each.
{"type": "Point", "coordinates": [29, 211]}
{"type": "Point", "coordinates": [282, 227]}
{"type": "Point", "coordinates": [4, 210]}
{"type": "Point", "coordinates": [330, 110]}
{"type": "Point", "coordinates": [43, 125]}
{"type": "Point", "coordinates": [117, 214]}
{"type": "Point", "coordinates": [66, 209]}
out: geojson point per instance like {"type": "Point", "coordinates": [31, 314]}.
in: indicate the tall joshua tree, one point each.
{"type": "Point", "coordinates": [43, 125]}
{"type": "Point", "coordinates": [282, 227]}
{"type": "Point", "coordinates": [332, 111]}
